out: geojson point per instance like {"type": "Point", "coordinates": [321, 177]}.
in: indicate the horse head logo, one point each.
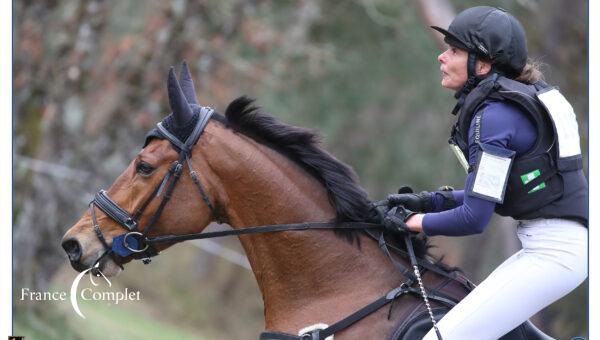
{"type": "Point", "coordinates": [94, 271]}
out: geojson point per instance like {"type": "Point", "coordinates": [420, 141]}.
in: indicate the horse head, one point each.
{"type": "Point", "coordinates": [139, 195]}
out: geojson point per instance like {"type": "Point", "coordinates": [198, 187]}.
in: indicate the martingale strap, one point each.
{"type": "Point", "coordinates": [390, 297]}
{"type": "Point", "coordinates": [348, 321]}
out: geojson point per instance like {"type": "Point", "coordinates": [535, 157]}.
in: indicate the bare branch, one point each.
{"type": "Point", "coordinates": [52, 169]}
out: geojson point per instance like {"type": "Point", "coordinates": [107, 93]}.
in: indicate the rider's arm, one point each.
{"type": "Point", "coordinates": [502, 126]}
{"type": "Point", "coordinates": [469, 218]}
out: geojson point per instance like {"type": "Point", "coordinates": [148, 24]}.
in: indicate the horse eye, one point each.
{"type": "Point", "coordinates": [144, 168]}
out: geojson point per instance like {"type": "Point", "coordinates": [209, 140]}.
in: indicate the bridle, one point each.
{"type": "Point", "coordinates": [137, 243]}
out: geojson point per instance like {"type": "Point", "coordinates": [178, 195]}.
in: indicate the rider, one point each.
{"type": "Point", "coordinates": [520, 144]}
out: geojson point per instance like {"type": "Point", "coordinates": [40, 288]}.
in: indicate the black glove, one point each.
{"type": "Point", "coordinates": [395, 218]}
{"type": "Point", "coordinates": [416, 202]}
{"type": "Point", "coordinates": [378, 210]}
{"type": "Point", "coordinates": [421, 202]}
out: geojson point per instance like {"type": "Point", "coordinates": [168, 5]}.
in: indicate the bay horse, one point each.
{"type": "Point", "coordinates": [248, 169]}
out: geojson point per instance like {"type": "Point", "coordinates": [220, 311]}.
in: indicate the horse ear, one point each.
{"type": "Point", "coordinates": [182, 112]}
{"type": "Point", "coordinates": [187, 84]}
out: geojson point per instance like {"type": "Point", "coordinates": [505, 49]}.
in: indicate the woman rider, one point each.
{"type": "Point", "coordinates": [521, 150]}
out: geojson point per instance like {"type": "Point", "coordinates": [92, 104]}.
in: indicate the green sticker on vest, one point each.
{"type": "Point", "coordinates": [530, 176]}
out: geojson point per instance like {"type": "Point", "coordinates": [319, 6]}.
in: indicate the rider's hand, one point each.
{"type": "Point", "coordinates": [395, 219]}
{"type": "Point", "coordinates": [414, 223]}
{"type": "Point", "coordinates": [405, 197]}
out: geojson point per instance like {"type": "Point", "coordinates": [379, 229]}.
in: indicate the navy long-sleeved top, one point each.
{"type": "Point", "coordinates": [503, 125]}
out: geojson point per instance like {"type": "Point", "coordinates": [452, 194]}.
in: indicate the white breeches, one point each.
{"type": "Point", "coordinates": [552, 262]}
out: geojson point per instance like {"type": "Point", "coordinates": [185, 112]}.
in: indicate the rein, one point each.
{"type": "Point", "coordinates": [137, 243]}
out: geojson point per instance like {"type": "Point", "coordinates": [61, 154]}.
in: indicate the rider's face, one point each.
{"type": "Point", "coordinates": [454, 67]}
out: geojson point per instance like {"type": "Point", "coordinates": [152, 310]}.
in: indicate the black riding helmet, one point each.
{"type": "Point", "coordinates": [491, 34]}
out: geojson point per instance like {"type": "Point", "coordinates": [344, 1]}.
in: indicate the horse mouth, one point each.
{"type": "Point", "coordinates": [108, 265]}
{"type": "Point", "coordinates": [78, 266]}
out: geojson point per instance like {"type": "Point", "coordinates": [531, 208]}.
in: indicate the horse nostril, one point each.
{"type": "Point", "coordinates": [71, 246]}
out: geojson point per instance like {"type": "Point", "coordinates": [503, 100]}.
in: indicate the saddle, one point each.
{"type": "Point", "coordinates": [415, 326]}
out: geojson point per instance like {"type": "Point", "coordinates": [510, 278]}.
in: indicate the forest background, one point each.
{"type": "Point", "coordinates": [89, 81]}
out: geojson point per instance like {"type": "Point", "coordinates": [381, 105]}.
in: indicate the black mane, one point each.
{"type": "Point", "coordinates": [302, 146]}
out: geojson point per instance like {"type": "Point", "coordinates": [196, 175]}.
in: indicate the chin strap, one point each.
{"type": "Point", "coordinates": [472, 81]}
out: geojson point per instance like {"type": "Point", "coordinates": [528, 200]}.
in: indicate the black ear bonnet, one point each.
{"type": "Point", "coordinates": [181, 132]}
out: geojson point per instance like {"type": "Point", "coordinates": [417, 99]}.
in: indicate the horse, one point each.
{"type": "Point", "coordinates": [306, 225]}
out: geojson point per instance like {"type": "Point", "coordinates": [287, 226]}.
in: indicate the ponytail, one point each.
{"type": "Point", "coordinates": [531, 73]}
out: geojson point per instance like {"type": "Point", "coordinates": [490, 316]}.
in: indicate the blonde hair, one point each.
{"type": "Point", "coordinates": [531, 72]}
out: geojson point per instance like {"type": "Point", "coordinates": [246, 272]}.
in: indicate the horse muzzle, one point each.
{"type": "Point", "coordinates": [73, 249]}
{"type": "Point", "coordinates": [82, 257]}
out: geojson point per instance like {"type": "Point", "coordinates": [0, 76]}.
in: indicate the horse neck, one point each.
{"type": "Point", "coordinates": [295, 270]}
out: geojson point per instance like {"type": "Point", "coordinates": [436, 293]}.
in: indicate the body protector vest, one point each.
{"type": "Point", "coordinates": [547, 181]}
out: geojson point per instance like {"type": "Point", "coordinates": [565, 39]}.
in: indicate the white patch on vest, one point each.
{"type": "Point", "coordinates": [492, 173]}
{"type": "Point", "coordinates": [564, 120]}
{"type": "Point", "coordinates": [313, 327]}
